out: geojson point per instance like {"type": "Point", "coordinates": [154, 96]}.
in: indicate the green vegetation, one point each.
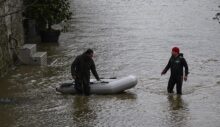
{"type": "Point", "coordinates": [47, 12]}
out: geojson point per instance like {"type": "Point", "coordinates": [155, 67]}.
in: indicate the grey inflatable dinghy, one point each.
{"type": "Point", "coordinates": [105, 86]}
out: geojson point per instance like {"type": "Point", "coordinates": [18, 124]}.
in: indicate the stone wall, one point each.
{"type": "Point", "coordinates": [11, 33]}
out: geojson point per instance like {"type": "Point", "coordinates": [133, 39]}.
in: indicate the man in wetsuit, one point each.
{"type": "Point", "coordinates": [176, 64]}
{"type": "Point", "coordinates": [80, 71]}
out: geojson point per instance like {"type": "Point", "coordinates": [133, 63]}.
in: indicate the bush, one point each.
{"type": "Point", "coordinates": [47, 12]}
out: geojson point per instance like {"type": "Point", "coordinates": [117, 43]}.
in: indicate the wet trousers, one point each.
{"type": "Point", "coordinates": [175, 80]}
{"type": "Point", "coordinates": [82, 86]}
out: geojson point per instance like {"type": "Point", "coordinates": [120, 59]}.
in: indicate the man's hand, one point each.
{"type": "Point", "coordinates": [163, 73]}
{"type": "Point", "coordinates": [98, 81]}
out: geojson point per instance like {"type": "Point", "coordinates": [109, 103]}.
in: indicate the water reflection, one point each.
{"type": "Point", "coordinates": [178, 111]}
{"type": "Point", "coordinates": [7, 112]}
{"type": "Point", "coordinates": [176, 102]}
{"type": "Point", "coordinates": [88, 110]}
{"type": "Point", "coordinates": [122, 96]}
{"type": "Point", "coordinates": [83, 115]}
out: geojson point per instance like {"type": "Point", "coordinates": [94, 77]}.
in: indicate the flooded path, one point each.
{"type": "Point", "coordinates": [129, 37]}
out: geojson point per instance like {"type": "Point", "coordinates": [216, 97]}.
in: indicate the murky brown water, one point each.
{"type": "Point", "coordinates": [129, 37]}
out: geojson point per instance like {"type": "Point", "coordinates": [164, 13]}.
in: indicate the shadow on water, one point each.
{"type": "Point", "coordinates": [178, 111]}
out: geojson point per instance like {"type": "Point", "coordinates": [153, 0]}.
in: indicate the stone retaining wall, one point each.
{"type": "Point", "coordinates": [11, 33]}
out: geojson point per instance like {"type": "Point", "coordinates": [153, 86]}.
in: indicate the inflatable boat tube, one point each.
{"type": "Point", "coordinates": [105, 86]}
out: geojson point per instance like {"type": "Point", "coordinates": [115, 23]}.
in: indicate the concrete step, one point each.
{"type": "Point", "coordinates": [39, 58]}
{"type": "Point", "coordinates": [26, 52]}
{"type": "Point", "coordinates": [29, 49]}
{"type": "Point", "coordinates": [28, 55]}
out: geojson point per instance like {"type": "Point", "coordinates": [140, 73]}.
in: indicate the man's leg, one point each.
{"type": "Point", "coordinates": [171, 85]}
{"type": "Point", "coordinates": [78, 86]}
{"type": "Point", "coordinates": [86, 87]}
{"type": "Point", "coordinates": [179, 85]}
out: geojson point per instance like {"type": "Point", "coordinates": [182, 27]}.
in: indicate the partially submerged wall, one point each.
{"type": "Point", "coordinates": [11, 33]}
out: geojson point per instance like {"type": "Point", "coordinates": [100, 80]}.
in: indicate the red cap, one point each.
{"type": "Point", "coordinates": [176, 49]}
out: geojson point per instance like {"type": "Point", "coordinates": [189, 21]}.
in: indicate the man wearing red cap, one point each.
{"type": "Point", "coordinates": [176, 64]}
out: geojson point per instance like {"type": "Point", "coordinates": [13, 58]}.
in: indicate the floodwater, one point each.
{"type": "Point", "coordinates": [129, 37]}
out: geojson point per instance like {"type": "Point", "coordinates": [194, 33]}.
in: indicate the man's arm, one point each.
{"type": "Point", "coordinates": [186, 67]}
{"type": "Point", "coordinates": [73, 67]}
{"type": "Point", "coordinates": [93, 69]}
{"type": "Point", "coordinates": [166, 68]}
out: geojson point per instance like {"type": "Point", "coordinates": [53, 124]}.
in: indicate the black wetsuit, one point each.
{"type": "Point", "coordinates": [80, 68]}
{"type": "Point", "coordinates": [176, 65]}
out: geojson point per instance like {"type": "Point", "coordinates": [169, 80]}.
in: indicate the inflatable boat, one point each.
{"type": "Point", "coordinates": [105, 86]}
